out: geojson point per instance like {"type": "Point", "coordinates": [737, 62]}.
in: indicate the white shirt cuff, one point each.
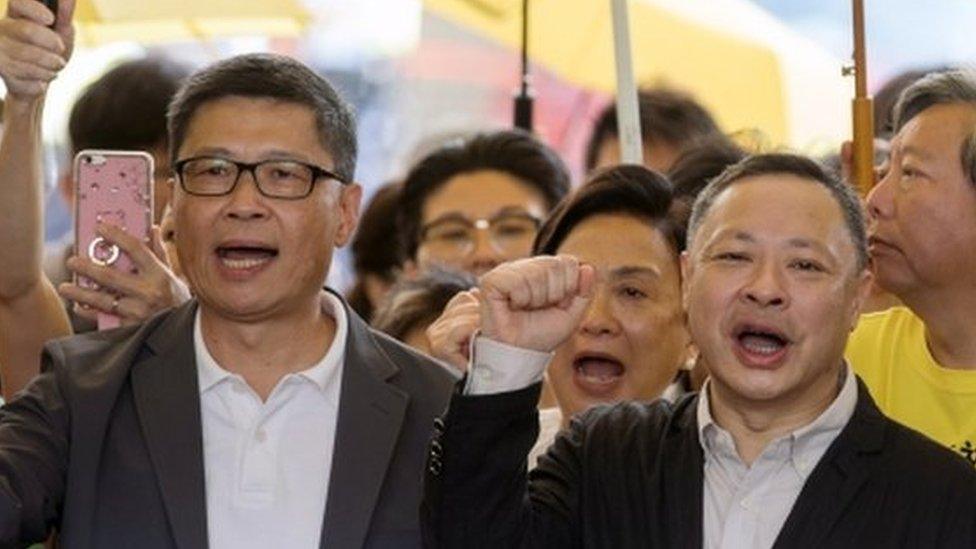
{"type": "Point", "coordinates": [499, 368]}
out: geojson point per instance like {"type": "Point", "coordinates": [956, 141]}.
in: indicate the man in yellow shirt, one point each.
{"type": "Point", "coordinates": [919, 361]}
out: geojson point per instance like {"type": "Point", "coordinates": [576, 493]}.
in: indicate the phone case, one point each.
{"type": "Point", "coordinates": [112, 187]}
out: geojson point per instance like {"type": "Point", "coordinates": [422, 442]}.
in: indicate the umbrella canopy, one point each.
{"type": "Point", "coordinates": [748, 68]}
{"type": "Point", "coordinates": [103, 21]}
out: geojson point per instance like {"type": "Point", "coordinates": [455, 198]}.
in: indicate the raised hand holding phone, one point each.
{"type": "Point", "coordinates": [111, 188]}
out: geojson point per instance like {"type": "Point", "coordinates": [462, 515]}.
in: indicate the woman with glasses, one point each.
{"type": "Point", "coordinates": [476, 203]}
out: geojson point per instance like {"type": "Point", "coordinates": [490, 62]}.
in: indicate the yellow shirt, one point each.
{"type": "Point", "coordinates": [888, 350]}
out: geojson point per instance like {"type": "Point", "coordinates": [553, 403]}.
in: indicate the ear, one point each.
{"type": "Point", "coordinates": [687, 269]}
{"type": "Point", "coordinates": [864, 285]}
{"type": "Point", "coordinates": [350, 197]}
{"type": "Point", "coordinates": [410, 270]}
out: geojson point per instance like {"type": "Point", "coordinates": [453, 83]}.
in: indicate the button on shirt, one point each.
{"type": "Point", "coordinates": [267, 464]}
{"type": "Point", "coordinates": [745, 507]}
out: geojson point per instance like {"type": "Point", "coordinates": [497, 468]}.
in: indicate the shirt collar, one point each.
{"type": "Point", "coordinates": [809, 441]}
{"type": "Point", "coordinates": [323, 374]}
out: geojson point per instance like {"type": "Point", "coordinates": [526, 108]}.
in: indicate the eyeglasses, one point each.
{"type": "Point", "coordinates": [457, 235]}
{"type": "Point", "coordinates": [215, 176]}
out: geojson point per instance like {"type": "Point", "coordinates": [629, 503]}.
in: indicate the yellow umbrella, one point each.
{"type": "Point", "coordinates": [740, 76]}
{"type": "Point", "coordinates": [152, 22]}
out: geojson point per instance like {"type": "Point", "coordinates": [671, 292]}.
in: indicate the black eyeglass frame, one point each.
{"type": "Point", "coordinates": [318, 173]}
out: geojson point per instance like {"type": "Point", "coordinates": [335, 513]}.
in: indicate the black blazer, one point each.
{"type": "Point", "coordinates": [106, 444]}
{"type": "Point", "coordinates": [630, 475]}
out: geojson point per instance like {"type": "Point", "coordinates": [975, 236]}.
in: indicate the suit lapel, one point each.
{"type": "Point", "coordinates": [371, 412]}
{"type": "Point", "coordinates": [839, 477]}
{"type": "Point", "coordinates": [681, 468]}
{"type": "Point", "coordinates": [167, 401]}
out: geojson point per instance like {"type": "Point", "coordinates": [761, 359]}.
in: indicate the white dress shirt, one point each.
{"type": "Point", "coordinates": [267, 464]}
{"type": "Point", "coordinates": [745, 507]}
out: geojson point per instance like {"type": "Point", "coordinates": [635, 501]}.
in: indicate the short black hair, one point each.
{"type": "Point", "coordinates": [276, 77]}
{"type": "Point", "coordinates": [942, 88]}
{"type": "Point", "coordinates": [126, 107]}
{"type": "Point", "coordinates": [666, 116]}
{"type": "Point", "coordinates": [374, 251]}
{"type": "Point", "coordinates": [696, 167]}
{"type": "Point", "coordinates": [420, 301]}
{"type": "Point", "coordinates": [787, 164]}
{"type": "Point", "coordinates": [513, 152]}
{"type": "Point", "coordinates": [626, 189]}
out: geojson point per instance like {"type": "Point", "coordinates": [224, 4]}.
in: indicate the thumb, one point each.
{"type": "Point", "coordinates": [158, 248]}
{"type": "Point", "coordinates": [587, 281]}
{"type": "Point", "coordinates": [64, 25]}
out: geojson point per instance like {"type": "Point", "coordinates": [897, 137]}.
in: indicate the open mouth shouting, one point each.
{"type": "Point", "coordinates": [597, 373]}
{"type": "Point", "coordinates": [760, 346]}
{"type": "Point", "coordinates": [243, 259]}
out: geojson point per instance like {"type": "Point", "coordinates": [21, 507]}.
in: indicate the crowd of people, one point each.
{"type": "Point", "coordinates": [721, 348]}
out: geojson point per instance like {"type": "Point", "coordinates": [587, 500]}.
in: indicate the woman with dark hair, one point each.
{"type": "Point", "coordinates": [632, 340]}
{"type": "Point", "coordinates": [375, 252]}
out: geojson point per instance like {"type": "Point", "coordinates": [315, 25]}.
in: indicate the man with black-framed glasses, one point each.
{"type": "Point", "coordinates": [263, 413]}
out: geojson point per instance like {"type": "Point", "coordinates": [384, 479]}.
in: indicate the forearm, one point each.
{"type": "Point", "coordinates": [22, 198]}
{"type": "Point", "coordinates": [26, 324]}
{"type": "Point", "coordinates": [476, 491]}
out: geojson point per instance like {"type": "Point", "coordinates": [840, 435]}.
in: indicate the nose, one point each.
{"type": "Point", "coordinates": [599, 319]}
{"type": "Point", "coordinates": [766, 288]}
{"type": "Point", "coordinates": [484, 256]}
{"type": "Point", "coordinates": [245, 202]}
{"type": "Point", "coordinates": [880, 201]}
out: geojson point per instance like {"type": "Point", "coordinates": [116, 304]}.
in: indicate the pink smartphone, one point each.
{"type": "Point", "coordinates": [111, 187]}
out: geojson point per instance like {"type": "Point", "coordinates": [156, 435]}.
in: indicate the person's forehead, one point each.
{"type": "Point", "coordinates": [235, 122]}
{"type": "Point", "coordinates": [483, 194]}
{"type": "Point", "coordinates": [780, 206]}
{"type": "Point", "coordinates": [936, 130]}
{"type": "Point", "coordinates": [636, 244]}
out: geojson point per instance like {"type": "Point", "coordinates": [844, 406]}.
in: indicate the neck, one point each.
{"type": "Point", "coordinates": [263, 352]}
{"type": "Point", "coordinates": [950, 326]}
{"type": "Point", "coordinates": [754, 424]}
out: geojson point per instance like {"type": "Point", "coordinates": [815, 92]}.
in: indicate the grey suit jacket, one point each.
{"type": "Point", "coordinates": [106, 445]}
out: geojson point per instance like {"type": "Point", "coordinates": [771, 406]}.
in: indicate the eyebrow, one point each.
{"type": "Point", "coordinates": [456, 215]}
{"type": "Point", "coordinates": [635, 270]}
{"type": "Point", "coordinates": [916, 151]}
{"type": "Point", "coordinates": [795, 242]}
{"type": "Point", "coordinates": [273, 154]}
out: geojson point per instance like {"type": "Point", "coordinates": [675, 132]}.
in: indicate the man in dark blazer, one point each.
{"type": "Point", "coordinates": [783, 448]}
{"type": "Point", "coordinates": [263, 412]}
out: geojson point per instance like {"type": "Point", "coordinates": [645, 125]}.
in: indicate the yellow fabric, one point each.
{"type": "Point", "coordinates": [574, 39]}
{"type": "Point", "coordinates": [888, 350]}
{"type": "Point", "coordinates": [103, 21]}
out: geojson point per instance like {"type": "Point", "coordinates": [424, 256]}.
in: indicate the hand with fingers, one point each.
{"type": "Point", "coordinates": [450, 335]}
{"type": "Point", "coordinates": [535, 303]}
{"type": "Point", "coordinates": [133, 297]}
{"type": "Point", "coordinates": [35, 45]}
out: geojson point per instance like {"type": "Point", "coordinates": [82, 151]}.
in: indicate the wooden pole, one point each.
{"type": "Point", "coordinates": [862, 109]}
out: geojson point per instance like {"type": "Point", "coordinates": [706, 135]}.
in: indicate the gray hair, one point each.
{"type": "Point", "coordinates": [787, 164]}
{"type": "Point", "coordinates": [262, 75]}
{"type": "Point", "coordinates": [941, 88]}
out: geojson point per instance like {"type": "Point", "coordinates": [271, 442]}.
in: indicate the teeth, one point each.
{"type": "Point", "coordinates": [598, 378]}
{"type": "Point", "coordinates": [761, 346]}
{"type": "Point", "coordinates": [243, 264]}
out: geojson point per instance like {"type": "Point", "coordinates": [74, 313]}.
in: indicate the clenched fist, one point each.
{"type": "Point", "coordinates": [450, 335]}
{"type": "Point", "coordinates": [35, 45]}
{"type": "Point", "coordinates": [535, 303]}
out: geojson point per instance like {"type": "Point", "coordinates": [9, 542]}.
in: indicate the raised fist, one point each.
{"type": "Point", "coordinates": [35, 45]}
{"type": "Point", "coordinates": [535, 303]}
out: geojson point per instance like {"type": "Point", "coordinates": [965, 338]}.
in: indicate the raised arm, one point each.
{"type": "Point", "coordinates": [31, 55]}
{"type": "Point", "coordinates": [476, 489]}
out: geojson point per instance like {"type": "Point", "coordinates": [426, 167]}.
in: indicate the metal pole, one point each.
{"type": "Point", "coordinates": [628, 116]}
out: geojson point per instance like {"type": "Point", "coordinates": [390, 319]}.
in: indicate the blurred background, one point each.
{"type": "Point", "coordinates": [420, 71]}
